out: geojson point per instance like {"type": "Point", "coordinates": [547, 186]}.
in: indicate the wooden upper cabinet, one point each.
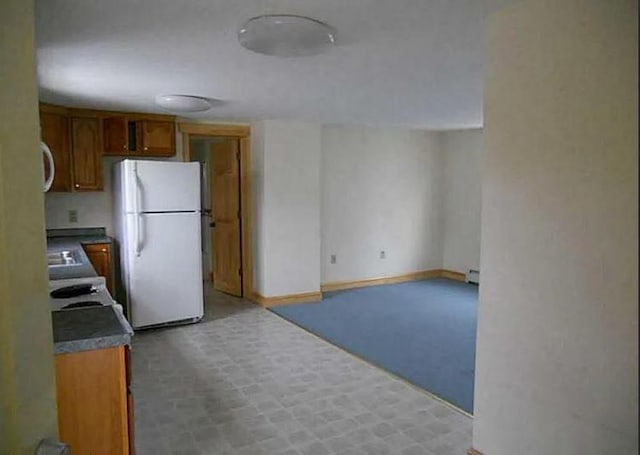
{"type": "Point", "coordinates": [157, 138]}
{"type": "Point", "coordinates": [86, 150]}
{"type": "Point", "coordinates": [54, 129]}
{"type": "Point", "coordinates": [137, 136]}
{"type": "Point", "coordinates": [116, 136]}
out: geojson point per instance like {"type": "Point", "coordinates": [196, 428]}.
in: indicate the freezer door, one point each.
{"type": "Point", "coordinates": [165, 276]}
{"type": "Point", "coordinates": [161, 186]}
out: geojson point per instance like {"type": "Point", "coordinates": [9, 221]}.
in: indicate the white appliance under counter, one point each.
{"type": "Point", "coordinates": [101, 295]}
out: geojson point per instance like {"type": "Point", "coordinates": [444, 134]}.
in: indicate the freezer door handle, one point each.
{"type": "Point", "coordinates": [137, 210]}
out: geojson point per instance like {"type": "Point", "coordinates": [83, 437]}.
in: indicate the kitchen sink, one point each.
{"type": "Point", "coordinates": [63, 258]}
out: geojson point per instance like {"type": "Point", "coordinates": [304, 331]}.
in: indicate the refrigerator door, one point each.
{"type": "Point", "coordinates": [161, 186]}
{"type": "Point", "coordinates": [165, 277]}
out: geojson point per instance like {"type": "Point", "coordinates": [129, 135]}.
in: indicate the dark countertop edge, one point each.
{"type": "Point", "coordinates": [118, 309]}
{"type": "Point", "coordinates": [94, 240]}
{"type": "Point", "coordinates": [77, 232]}
{"type": "Point", "coordinates": [92, 344]}
{"type": "Point", "coordinates": [53, 242]}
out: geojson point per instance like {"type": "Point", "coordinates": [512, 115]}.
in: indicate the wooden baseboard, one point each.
{"type": "Point", "coordinates": [340, 285]}
{"type": "Point", "coordinates": [453, 275]}
{"type": "Point", "coordinates": [415, 276]}
{"type": "Point", "coordinates": [286, 299]}
{"type": "Point", "coordinates": [473, 451]}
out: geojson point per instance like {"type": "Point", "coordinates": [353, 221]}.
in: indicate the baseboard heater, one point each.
{"type": "Point", "coordinates": [473, 276]}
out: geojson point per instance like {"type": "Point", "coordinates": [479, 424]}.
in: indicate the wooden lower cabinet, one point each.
{"type": "Point", "coordinates": [99, 255]}
{"type": "Point", "coordinates": [94, 401]}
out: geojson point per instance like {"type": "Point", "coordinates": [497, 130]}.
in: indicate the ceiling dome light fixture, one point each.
{"type": "Point", "coordinates": [183, 103]}
{"type": "Point", "coordinates": [286, 35]}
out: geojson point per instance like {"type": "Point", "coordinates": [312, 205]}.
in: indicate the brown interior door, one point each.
{"type": "Point", "coordinates": [225, 197]}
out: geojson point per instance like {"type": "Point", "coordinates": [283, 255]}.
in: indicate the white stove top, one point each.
{"type": "Point", "coordinates": [100, 295]}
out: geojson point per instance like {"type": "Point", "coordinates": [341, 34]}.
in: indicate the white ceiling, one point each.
{"type": "Point", "coordinates": [414, 63]}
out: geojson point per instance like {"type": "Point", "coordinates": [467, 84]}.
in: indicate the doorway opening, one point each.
{"type": "Point", "coordinates": [224, 154]}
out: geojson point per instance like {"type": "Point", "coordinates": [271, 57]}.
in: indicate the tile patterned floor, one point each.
{"type": "Point", "coordinates": [246, 382]}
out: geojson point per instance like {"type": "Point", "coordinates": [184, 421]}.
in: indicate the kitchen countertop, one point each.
{"type": "Point", "coordinates": [73, 239]}
{"type": "Point", "coordinates": [90, 328]}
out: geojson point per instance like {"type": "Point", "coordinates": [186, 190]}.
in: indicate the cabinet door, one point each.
{"type": "Point", "coordinates": [54, 129]}
{"type": "Point", "coordinates": [86, 152]}
{"type": "Point", "coordinates": [157, 138]}
{"type": "Point", "coordinates": [116, 136]}
{"type": "Point", "coordinates": [100, 257]}
{"type": "Point", "coordinates": [92, 401]}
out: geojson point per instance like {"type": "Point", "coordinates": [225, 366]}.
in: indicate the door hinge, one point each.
{"type": "Point", "coordinates": [240, 271]}
{"type": "Point", "coordinates": [238, 155]}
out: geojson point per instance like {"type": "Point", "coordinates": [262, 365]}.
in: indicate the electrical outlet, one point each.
{"type": "Point", "coordinates": [73, 216]}
{"type": "Point", "coordinates": [333, 258]}
{"type": "Point", "coordinates": [382, 254]}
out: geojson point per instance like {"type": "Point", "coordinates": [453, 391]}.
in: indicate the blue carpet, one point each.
{"type": "Point", "coordinates": [422, 331]}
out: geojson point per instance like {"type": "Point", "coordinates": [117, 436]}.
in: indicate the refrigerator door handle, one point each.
{"type": "Point", "coordinates": [137, 210]}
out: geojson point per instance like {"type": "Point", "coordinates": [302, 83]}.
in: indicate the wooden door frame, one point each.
{"type": "Point", "coordinates": [243, 134]}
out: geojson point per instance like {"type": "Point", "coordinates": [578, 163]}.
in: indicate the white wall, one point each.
{"type": "Point", "coordinates": [462, 194]}
{"type": "Point", "coordinates": [557, 349]}
{"type": "Point", "coordinates": [286, 156]}
{"type": "Point", "coordinates": [381, 190]}
{"type": "Point", "coordinates": [94, 207]}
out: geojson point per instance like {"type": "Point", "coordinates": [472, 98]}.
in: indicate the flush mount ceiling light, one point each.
{"type": "Point", "coordinates": [286, 35]}
{"type": "Point", "coordinates": [183, 103]}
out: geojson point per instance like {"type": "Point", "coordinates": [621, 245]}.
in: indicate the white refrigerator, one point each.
{"type": "Point", "coordinates": [157, 225]}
